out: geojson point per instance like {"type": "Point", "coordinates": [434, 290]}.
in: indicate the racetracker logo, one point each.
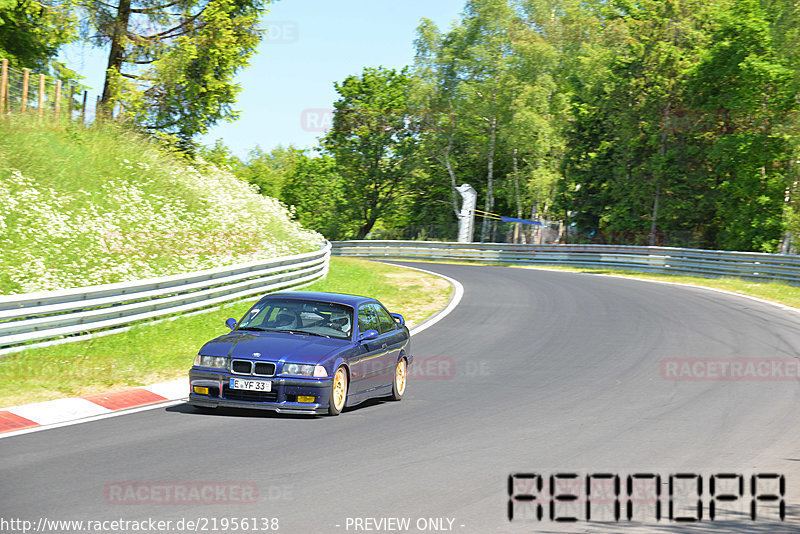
{"type": "Point", "coordinates": [730, 369]}
{"type": "Point", "coordinates": [316, 119]}
{"type": "Point", "coordinates": [281, 32]}
{"type": "Point", "coordinates": [446, 368]}
{"type": "Point", "coordinates": [180, 493]}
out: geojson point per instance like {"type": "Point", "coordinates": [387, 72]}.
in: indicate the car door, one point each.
{"type": "Point", "coordinates": [366, 368]}
{"type": "Point", "coordinates": [392, 339]}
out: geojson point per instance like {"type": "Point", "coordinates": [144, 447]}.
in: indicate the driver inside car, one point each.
{"type": "Point", "coordinates": [342, 323]}
{"type": "Point", "coordinates": [286, 319]}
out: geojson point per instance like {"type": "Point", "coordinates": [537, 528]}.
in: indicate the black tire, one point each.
{"type": "Point", "coordinates": [400, 379]}
{"type": "Point", "coordinates": [338, 396]}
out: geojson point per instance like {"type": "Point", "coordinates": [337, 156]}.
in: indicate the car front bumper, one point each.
{"type": "Point", "coordinates": [282, 397]}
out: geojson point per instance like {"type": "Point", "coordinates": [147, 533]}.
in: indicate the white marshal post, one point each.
{"type": "Point", "coordinates": [466, 219]}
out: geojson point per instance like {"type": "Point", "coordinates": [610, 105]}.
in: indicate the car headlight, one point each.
{"type": "Point", "coordinates": [217, 362]}
{"type": "Point", "coordinates": [297, 369]}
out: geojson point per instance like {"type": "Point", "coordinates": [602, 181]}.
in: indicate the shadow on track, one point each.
{"type": "Point", "coordinates": [186, 408]}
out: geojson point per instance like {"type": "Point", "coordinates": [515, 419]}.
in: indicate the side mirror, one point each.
{"type": "Point", "coordinates": [399, 319]}
{"type": "Point", "coordinates": [369, 334]}
{"type": "Point", "coordinates": [231, 323]}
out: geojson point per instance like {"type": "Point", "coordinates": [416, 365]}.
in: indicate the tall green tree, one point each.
{"type": "Point", "coordinates": [629, 164]}
{"type": "Point", "coordinates": [785, 34]}
{"type": "Point", "coordinates": [32, 32]}
{"type": "Point", "coordinates": [270, 170]}
{"type": "Point", "coordinates": [317, 192]}
{"type": "Point", "coordinates": [172, 63]}
{"type": "Point", "coordinates": [745, 91]}
{"type": "Point", "coordinates": [374, 141]}
{"type": "Point", "coordinates": [467, 73]}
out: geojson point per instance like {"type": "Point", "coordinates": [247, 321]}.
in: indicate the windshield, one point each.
{"type": "Point", "coordinates": [300, 316]}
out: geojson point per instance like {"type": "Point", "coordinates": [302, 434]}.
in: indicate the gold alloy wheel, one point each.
{"type": "Point", "coordinates": [339, 389]}
{"type": "Point", "coordinates": [400, 377]}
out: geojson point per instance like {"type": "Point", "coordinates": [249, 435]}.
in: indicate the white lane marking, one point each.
{"type": "Point", "coordinates": [166, 404]}
{"type": "Point", "coordinates": [784, 307]}
{"type": "Point", "coordinates": [54, 411]}
{"type": "Point", "coordinates": [180, 385]}
{"type": "Point", "coordinates": [174, 389]}
{"type": "Point", "coordinates": [454, 301]}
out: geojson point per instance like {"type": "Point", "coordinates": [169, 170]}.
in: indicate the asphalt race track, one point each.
{"type": "Point", "coordinates": [534, 372]}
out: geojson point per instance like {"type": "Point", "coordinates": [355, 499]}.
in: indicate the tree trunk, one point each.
{"type": "Point", "coordinates": [652, 240]}
{"type": "Point", "coordinates": [663, 153]}
{"type": "Point", "coordinates": [365, 228]}
{"type": "Point", "coordinates": [453, 185]}
{"type": "Point", "coordinates": [116, 54]}
{"type": "Point", "coordinates": [517, 198]}
{"type": "Point", "coordinates": [787, 241]}
{"type": "Point", "coordinates": [489, 202]}
{"type": "Point", "coordinates": [445, 159]}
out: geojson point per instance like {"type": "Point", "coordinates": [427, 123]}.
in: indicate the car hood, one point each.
{"type": "Point", "coordinates": [274, 346]}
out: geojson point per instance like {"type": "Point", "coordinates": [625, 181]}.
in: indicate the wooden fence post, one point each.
{"type": "Point", "coordinates": [26, 74]}
{"type": "Point", "coordinates": [71, 101]}
{"type": "Point", "coordinates": [58, 97]}
{"type": "Point", "coordinates": [83, 109]}
{"type": "Point", "coordinates": [41, 96]}
{"type": "Point", "coordinates": [3, 85]}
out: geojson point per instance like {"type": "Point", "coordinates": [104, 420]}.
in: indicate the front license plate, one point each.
{"type": "Point", "coordinates": [251, 385]}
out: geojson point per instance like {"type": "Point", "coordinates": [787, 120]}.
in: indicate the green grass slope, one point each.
{"type": "Point", "coordinates": [85, 206]}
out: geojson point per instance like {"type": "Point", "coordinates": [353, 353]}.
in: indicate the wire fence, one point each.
{"type": "Point", "coordinates": [28, 93]}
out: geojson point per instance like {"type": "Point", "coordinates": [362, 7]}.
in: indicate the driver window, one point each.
{"type": "Point", "coordinates": [367, 320]}
{"type": "Point", "coordinates": [385, 320]}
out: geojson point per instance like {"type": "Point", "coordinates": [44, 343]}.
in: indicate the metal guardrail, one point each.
{"type": "Point", "coordinates": [52, 314]}
{"type": "Point", "coordinates": [706, 263]}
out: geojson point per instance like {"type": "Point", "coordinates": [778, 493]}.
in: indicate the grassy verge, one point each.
{"type": "Point", "coordinates": [151, 353]}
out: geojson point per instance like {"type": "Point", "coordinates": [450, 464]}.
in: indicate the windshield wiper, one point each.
{"type": "Point", "coordinates": [303, 332]}
{"type": "Point", "coordinates": [259, 328]}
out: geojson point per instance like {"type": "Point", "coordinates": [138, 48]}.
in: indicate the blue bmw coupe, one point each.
{"type": "Point", "coordinates": [304, 352]}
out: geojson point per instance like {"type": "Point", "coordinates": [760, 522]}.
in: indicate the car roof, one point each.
{"type": "Point", "coordinates": [338, 298]}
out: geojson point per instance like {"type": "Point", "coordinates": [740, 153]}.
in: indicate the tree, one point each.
{"type": "Point", "coordinates": [270, 170]}
{"type": "Point", "coordinates": [374, 141]}
{"type": "Point", "coordinates": [630, 163]}
{"type": "Point", "coordinates": [317, 193]}
{"type": "Point", "coordinates": [32, 32]}
{"type": "Point", "coordinates": [172, 63]}
{"type": "Point", "coordinates": [745, 92]}
{"type": "Point", "coordinates": [468, 72]}
{"type": "Point", "coordinates": [221, 156]}
{"type": "Point", "coordinates": [785, 36]}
